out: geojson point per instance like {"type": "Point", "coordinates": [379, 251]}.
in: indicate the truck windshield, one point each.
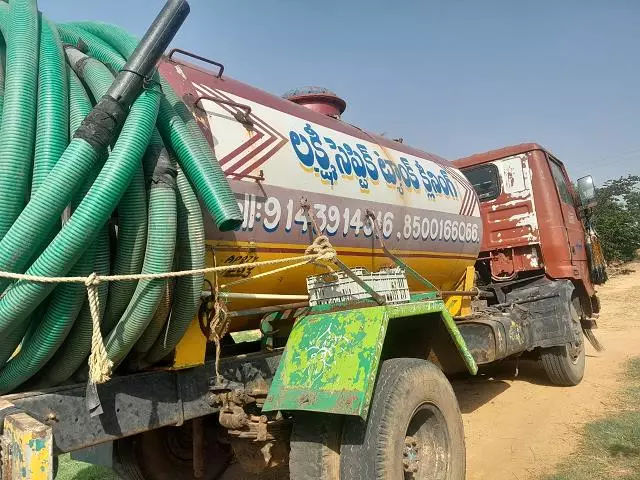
{"type": "Point", "coordinates": [485, 180]}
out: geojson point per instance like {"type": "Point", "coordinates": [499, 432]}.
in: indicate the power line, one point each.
{"type": "Point", "coordinates": [621, 156]}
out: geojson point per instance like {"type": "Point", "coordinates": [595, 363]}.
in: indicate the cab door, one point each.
{"type": "Point", "coordinates": [570, 214]}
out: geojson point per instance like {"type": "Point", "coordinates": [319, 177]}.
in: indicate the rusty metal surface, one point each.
{"type": "Point", "coordinates": [533, 229]}
{"type": "Point", "coordinates": [26, 449]}
{"type": "Point", "coordinates": [139, 402]}
{"type": "Point", "coordinates": [510, 220]}
{"type": "Point", "coordinates": [492, 155]}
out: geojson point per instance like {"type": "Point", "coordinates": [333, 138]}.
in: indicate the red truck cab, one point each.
{"type": "Point", "coordinates": [535, 269]}
{"type": "Point", "coordinates": [532, 218]}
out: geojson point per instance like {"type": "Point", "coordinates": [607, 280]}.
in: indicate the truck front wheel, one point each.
{"type": "Point", "coordinates": [564, 365]}
{"type": "Point", "coordinates": [414, 429]}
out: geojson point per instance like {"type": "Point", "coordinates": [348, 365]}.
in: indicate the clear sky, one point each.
{"type": "Point", "coordinates": [453, 77]}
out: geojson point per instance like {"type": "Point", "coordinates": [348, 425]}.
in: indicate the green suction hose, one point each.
{"type": "Point", "coordinates": [191, 256]}
{"type": "Point", "coordinates": [132, 209]}
{"type": "Point", "coordinates": [131, 184]}
{"type": "Point", "coordinates": [199, 164]}
{"type": "Point", "coordinates": [52, 122]}
{"type": "Point", "coordinates": [75, 349]}
{"type": "Point", "coordinates": [61, 312]}
{"type": "Point", "coordinates": [19, 26]}
{"type": "Point", "coordinates": [2, 76]}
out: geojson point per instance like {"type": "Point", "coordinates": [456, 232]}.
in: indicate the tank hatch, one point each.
{"type": "Point", "coordinates": [318, 99]}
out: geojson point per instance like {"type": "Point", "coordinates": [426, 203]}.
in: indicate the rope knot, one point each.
{"type": "Point", "coordinates": [99, 363]}
{"type": "Point", "coordinates": [322, 247]}
{"type": "Point", "coordinates": [92, 280]}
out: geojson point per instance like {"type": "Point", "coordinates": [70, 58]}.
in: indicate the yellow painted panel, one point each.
{"type": "Point", "coordinates": [442, 269]}
{"type": "Point", "coordinates": [31, 445]}
{"type": "Point", "coordinates": [458, 305]}
{"type": "Point", "coordinates": [191, 349]}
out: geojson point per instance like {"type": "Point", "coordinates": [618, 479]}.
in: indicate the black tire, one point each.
{"type": "Point", "coordinates": [315, 447]}
{"type": "Point", "coordinates": [166, 454]}
{"type": "Point", "coordinates": [565, 364]}
{"type": "Point", "coordinates": [414, 423]}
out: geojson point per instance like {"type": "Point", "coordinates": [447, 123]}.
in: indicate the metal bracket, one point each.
{"type": "Point", "coordinates": [258, 178]}
{"type": "Point", "coordinates": [197, 57]}
{"type": "Point", "coordinates": [370, 215]}
{"type": "Point", "coordinates": [243, 117]}
{"type": "Point", "coordinates": [380, 300]}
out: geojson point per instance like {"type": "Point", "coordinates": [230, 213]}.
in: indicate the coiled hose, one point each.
{"type": "Point", "coordinates": [72, 206]}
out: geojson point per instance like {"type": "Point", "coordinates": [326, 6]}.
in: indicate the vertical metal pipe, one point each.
{"type": "Point", "coordinates": [143, 60]}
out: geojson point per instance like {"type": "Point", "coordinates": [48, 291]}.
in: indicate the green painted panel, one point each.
{"type": "Point", "coordinates": [458, 339]}
{"type": "Point", "coordinates": [330, 363]}
{"type": "Point", "coordinates": [331, 359]}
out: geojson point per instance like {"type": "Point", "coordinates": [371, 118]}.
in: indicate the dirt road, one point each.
{"type": "Point", "coordinates": [519, 428]}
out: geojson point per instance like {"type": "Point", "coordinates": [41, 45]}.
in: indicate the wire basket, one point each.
{"type": "Point", "coordinates": [337, 287]}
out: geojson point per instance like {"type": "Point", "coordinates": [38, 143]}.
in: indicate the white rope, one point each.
{"type": "Point", "coordinates": [99, 363]}
{"type": "Point", "coordinates": [100, 366]}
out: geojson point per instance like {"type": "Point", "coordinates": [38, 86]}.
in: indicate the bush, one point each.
{"type": "Point", "coordinates": [617, 217]}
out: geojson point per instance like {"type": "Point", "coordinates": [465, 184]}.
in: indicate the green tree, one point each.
{"type": "Point", "coordinates": [617, 217]}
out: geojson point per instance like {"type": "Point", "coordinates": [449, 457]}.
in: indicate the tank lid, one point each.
{"type": "Point", "coordinates": [318, 99]}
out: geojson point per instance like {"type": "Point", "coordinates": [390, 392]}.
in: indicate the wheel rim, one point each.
{"type": "Point", "coordinates": [574, 351]}
{"type": "Point", "coordinates": [179, 443]}
{"type": "Point", "coordinates": [426, 453]}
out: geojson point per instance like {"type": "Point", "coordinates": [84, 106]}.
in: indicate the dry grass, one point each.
{"type": "Point", "coordinates": [610, 448]}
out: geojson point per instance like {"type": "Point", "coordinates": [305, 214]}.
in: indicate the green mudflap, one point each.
{"type": "Point", "coordinates": [331, 359]}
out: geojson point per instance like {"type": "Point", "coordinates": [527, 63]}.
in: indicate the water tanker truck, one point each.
{"type": "Point", "coordinates": [203, 280]}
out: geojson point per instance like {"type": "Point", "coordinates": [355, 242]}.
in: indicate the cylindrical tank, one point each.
{"type": "Point", "coordinates": [279, 154]}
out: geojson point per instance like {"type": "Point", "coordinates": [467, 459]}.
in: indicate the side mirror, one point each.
{"type": "Point", "coordinates": [587, 191]}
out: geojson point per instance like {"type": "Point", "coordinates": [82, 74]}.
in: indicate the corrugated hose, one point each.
{"type": "Point", "coordinates": [98, 176]}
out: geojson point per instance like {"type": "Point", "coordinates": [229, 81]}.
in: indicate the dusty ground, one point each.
{"type": "Point", "coordinates": [520, 428]}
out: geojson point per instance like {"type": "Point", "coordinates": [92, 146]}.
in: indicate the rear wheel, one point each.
{"type": "Point", "coordinates": [167, 454]}
{"type": "Point", "coordinates": [565, 364]}
{"type": "Point", "coordinates": [414, 429]}
{"type": "Point", "coordinates": [315, 446]}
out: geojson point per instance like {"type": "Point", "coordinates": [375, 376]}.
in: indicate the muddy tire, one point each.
{"type": "Point", "coordinates": [315, 447]}
{"type": "Point", "coordinates": [414, 429]}
{"type": "Point", "coordinates": [167, 453]}
{"type": "Point", "coordinates": [564, 365]}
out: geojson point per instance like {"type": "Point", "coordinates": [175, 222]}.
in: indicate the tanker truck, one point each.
{"type": "Point", "coordinates": [204, 280]}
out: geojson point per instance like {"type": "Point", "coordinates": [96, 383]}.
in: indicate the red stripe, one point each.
{"type": "Point", "coordinates": [246, 159]}
{"type": "Point", "coordinates": [230, 109]}
{"type": "Point", "coordinates": [228, 248]}
{"type": "Point", "coordinates": [461, 180]}
{"type": "Point", "coordinates": [465, 200]}
{"type": "Point", "coordinates": [229, 156]}
{"type": "Point", "coordinates": [263, 159]}
{"type": "Point", "coordinates": [467, 210]}
{"type": "Point", "coordinates": [473, 205]}
{"type": "Point", "coordinates": [249, 156]}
